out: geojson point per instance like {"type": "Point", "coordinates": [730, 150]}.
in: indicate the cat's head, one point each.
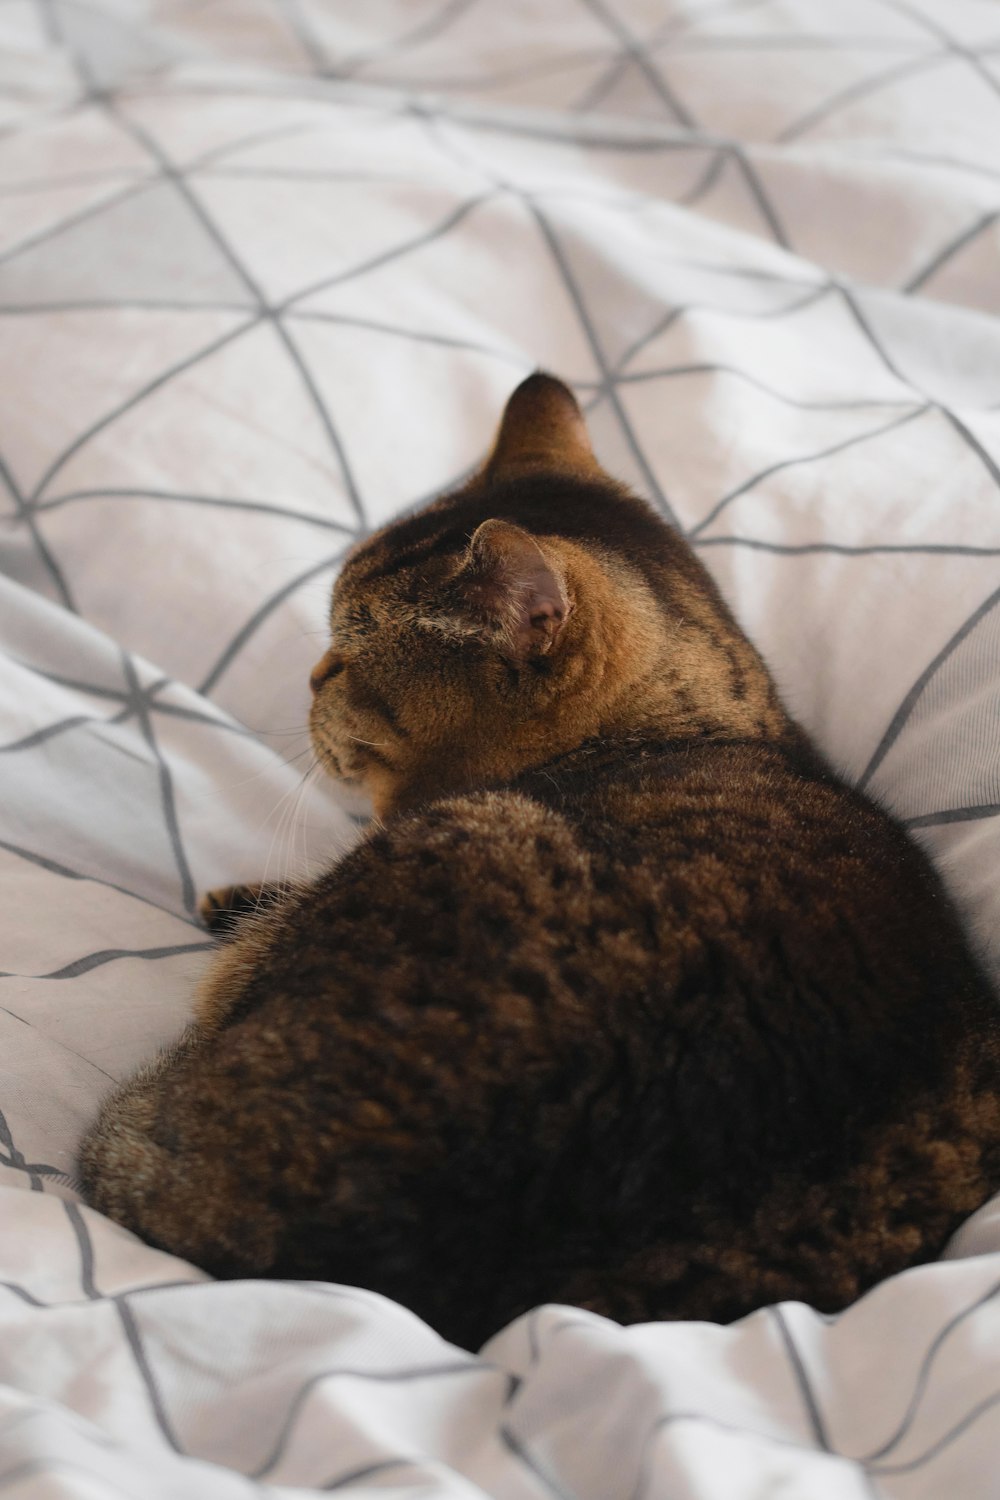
{"type": "Point", "coordinates": [537, 607]}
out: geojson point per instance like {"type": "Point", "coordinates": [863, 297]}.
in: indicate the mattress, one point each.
{"type": "Point", "coordinates": [268, 271]}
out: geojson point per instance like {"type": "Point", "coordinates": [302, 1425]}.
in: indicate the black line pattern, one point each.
{"type": "Point", "coordinates": [110, 955]}
{"type": "Point", "coordinates": [146, 1373]}
{"type": "Point", "coordinates": [905, 709]}
{"type": "Point", "coordinates": [446, 1370]}
{"type": "Point", "coordinates": [923, 1378]}
{"type": "Point", "coordinates": [788, 463]}
{"type": "Point", "coordinates": [955, 815]}
{"type": "Point", "coordinates": [802, 1380]}
{"type": "Point", "coordinates": [86, 1249]}
{"type": "Point", "coordinates": [756, 244]}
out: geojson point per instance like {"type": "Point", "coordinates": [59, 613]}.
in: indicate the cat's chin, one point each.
{"type": "Point", "coordinates": [350, 790]}
{"type": "Point", "coordinates": [332, 765]}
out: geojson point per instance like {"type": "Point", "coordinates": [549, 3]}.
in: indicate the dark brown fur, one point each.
{"type": "Point", "coordinates": [627, 1001]}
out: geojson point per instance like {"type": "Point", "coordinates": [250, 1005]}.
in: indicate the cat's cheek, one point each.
{"type": "Point", "coordinates": [382, 791]}
{"type": "Point", "coordinates": [322, 736]}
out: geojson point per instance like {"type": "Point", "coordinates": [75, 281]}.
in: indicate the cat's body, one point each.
{"type": "Point", "coordinates": [629, 1002]}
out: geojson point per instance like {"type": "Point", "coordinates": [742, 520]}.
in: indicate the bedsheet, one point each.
{"type": "Point", "coordinates": [268, 270]}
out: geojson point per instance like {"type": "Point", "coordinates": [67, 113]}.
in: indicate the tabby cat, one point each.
{"type": "Point", "coordinates": [626, 1000]}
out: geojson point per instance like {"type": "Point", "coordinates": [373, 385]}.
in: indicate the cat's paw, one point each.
{"type": "Point", "coordinates": [223, 908]}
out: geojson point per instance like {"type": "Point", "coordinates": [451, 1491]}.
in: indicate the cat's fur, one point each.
{"type": "Point", "coordinates": [626, 1001]}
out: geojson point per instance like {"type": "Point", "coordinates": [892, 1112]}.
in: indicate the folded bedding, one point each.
{"type": "Point", "coordinates": [268, 272]}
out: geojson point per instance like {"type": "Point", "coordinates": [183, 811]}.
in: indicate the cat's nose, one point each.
{"type": "Point", "coordinates": [328, 666]}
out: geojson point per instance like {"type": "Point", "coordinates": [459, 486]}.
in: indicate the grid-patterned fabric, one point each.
{"type": "Point", "coordinates": [268, 270]}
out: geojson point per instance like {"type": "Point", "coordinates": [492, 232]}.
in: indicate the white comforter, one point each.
{"type": "Point", "coordinates": [268, 270]}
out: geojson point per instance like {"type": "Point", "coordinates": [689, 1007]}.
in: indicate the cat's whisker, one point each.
{"type": "Point", "coordinates": [273, 768]}
{"type": "Point", "coordinates": [289, 852]}
{"type": "Point", "coordinates": [302, 826]}
{"type": "Point", "coordinates": [292, 829]}
{"type": "Point", "coordinates": [284, 808]}
{"type": "Point", "coordinates": [375, 744]}
{"type": "Point", "coordinates": [288, 865]}
{"type": "Point", "coordinates": [269, 733]}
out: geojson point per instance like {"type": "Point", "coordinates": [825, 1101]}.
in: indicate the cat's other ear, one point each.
{"type": "Point", "coordinates": [542, 428]}
{"type": "Point", "coordinates": [509, 585]}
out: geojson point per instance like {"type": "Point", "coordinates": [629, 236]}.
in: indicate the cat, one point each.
{"type": "Point", "coordinates": [626, 1000]}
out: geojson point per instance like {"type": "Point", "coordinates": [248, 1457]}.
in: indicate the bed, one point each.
{"type": "Point", "coordinates": [268, 271]}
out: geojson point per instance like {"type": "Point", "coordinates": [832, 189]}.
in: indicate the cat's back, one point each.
{"type": "Point", "coordinates": [731, 905]}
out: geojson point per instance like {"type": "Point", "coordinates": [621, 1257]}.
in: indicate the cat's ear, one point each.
{"type": "Point", "coordinates": [542, 428]}
{"type": "Point", "coordinates": [509, 585]}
